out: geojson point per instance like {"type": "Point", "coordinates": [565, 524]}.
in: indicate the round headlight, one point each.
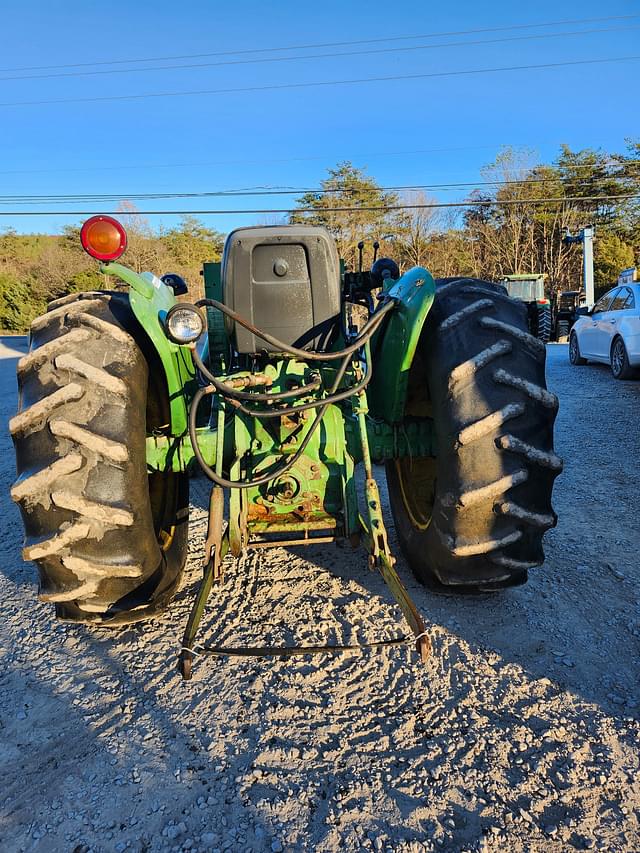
{"type": "Point", "coordinates": [184, 323]}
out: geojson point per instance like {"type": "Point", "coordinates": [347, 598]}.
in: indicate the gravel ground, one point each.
{"type": "Point", "coordinates": [521, 734]}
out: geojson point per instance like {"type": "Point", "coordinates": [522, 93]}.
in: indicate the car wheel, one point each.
{"type": "Point", "coordinates": [620, 366]}
{"type": "Point", "coordinates": [574, 351]}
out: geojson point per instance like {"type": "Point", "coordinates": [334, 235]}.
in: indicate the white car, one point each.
{"type": "Point", "coordinates": [610, 332]}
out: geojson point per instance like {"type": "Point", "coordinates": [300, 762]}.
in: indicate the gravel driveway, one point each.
{"type": "Point", "coordinates": [521, 734]}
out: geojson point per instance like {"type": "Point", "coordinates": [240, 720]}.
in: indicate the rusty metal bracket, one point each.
{"type": "Point", "coordinates": [215, 550]}
{"type": "Point", "coordinates": [187, 652]}
{"type": "Point", "coordinates": [212, 545]}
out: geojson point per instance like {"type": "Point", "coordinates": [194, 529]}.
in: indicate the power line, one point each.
{"type": "Point", "coordinates": [262, 191]}
{"type": "Point", "coordinates": [319, 83]}
{"type": "Point", "coordinates": [303, 57]}
{"type": "Point", "coordinates": [327, 157]}
{"type": "Point", "coordinates": [323, 44]}
{"type": "Point", "coordinates": [352, 209]}
{"type": "Point", "coordinates": [244, 161]}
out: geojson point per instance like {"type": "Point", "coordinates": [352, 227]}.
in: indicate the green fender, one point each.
{"type": "Point", "coordinates": [394, 346]}
{"type": "Point", "coordinates": [150, 300]}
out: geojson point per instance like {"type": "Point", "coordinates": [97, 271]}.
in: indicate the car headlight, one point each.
{"type": "Point", "coordinates": [184, 323]}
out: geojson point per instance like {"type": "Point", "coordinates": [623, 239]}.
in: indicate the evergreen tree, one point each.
{"type": "Point", "coordinates": [363, 211]}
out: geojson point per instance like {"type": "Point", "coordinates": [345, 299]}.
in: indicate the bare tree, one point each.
{"type": "Point", "coordinates": [143, 250]}
{"type": "Point", "coordinates": [418, 228]}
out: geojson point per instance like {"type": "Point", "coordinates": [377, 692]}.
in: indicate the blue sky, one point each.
{"type": "Point", "coordinates": [414, 131]}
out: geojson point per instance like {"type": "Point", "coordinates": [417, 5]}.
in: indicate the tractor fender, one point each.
{"type": "Point", "coordinates": [150, 301]}
{"type": "Point", "coordinates": [394, 346]}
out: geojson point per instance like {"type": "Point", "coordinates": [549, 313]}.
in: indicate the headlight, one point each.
{"type": "Point", "coordinates": [184, 323]}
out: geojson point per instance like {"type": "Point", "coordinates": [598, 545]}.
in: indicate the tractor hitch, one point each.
{"type": "Point", "coordinates": [293, 498]}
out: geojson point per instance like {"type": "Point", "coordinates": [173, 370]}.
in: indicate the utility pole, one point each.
{"type": "Point", "coordinates": [585, 236]}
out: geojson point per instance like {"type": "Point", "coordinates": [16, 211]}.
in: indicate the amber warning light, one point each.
{"type": "Point", "coordinates": [103, 238]}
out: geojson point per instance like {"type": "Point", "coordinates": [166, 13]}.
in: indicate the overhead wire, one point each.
{"type": "Point", "coordinates": [98, 99]}
{"type": "Point", "coordinates": [333, 55]}
{"type": "Point", "coordinates": [379, 40]}
{"type": "Point", "coordinates": [261, 191]}
{"type": "Point", "coordinates": [244, 161]}
{"type": "Point", "coordinates": [351, 209]}
{"type": "Point", "coordinates": [326, 157]}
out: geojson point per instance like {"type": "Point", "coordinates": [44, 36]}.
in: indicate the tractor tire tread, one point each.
{"type": "Point", "coordinates": [494, 432]}
{"type": "Point", "coordinates": [80, 438]}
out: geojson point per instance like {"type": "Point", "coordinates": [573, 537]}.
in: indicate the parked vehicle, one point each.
{"type": "Point", "coordinates": [565, 304]}
{"type": "Point", "coordinates": [529, 288]}
{"type": "Point", "coordinates": [610, 332]}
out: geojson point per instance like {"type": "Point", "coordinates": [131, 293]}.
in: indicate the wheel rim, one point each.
{"type": "Point", "coordinates": [573, 349]}
{"type": "Point", "coordinates": [417, 480]}
{"type": "Point", "coordinates": [617, 362]}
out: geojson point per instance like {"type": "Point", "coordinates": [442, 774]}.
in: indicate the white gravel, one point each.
{"type": "Point", "coordinates": [521, 734]}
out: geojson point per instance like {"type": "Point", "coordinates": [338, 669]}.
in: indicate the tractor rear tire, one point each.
{"type": "Point", "coordinates": [109, 540]}
{"type": "Point", "coordinates": [544, 323]}
{"type": "Point", "coordinates": [472, 519]}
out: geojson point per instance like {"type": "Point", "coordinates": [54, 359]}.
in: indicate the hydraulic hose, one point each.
{"type": "Point", "coordinates": [291, 410]}
{"type": "Point", "coordinates": [304, 355]}
{"type": "Point", "coordinates": [235, 396]}
{"type": "Point", "coordinates": [234, 393]}
{"type": "Point", "coordinates": [258, 481]}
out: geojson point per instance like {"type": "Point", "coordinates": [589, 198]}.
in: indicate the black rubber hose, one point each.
{"type": "Point", "coordinates": [234, 393]}
{"type": "Point", "coordinates": [367, 331]}
{"type": "Point", "coordinates": [267, 478]}
{"type": "Point", "coordinates": [291, 410]}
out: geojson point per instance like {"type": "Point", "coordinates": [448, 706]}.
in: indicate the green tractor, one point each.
{"type": "Point", "coordinates": [566, 304]}
{"type": "Point", "coordinates": [529, 288]}
{"type": "Point", "coordinates": [277, 394]}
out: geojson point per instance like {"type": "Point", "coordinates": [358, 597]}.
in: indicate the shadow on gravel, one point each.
{"type": "Point", "coordinates": [103, 730]}
{"type": "Point", "coordinates": [576, 622]}
{"type": "Point", "coordinates": [255, 736]}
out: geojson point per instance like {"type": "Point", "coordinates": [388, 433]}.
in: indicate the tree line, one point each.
{"type": "Point", "coordinates": [36, 268]}
{"type": "Point", "coordinates": [514, 222]}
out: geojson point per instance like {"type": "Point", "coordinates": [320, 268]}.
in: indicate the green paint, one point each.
{"type": "Point", "coordinates": [311, 494]}
{"type": "Point", "coordinates": [217, 338]}
{"type": "Point", "coordinates": [176, 453]}
{"type": "Point", "coordinates": [394, 347]}
{"type": "Point", "coordinates": [150, 300]}
{"type": "Point", "coordinates": [386, 441]}
{"type": "Point", "coordinates": [319, 491]}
